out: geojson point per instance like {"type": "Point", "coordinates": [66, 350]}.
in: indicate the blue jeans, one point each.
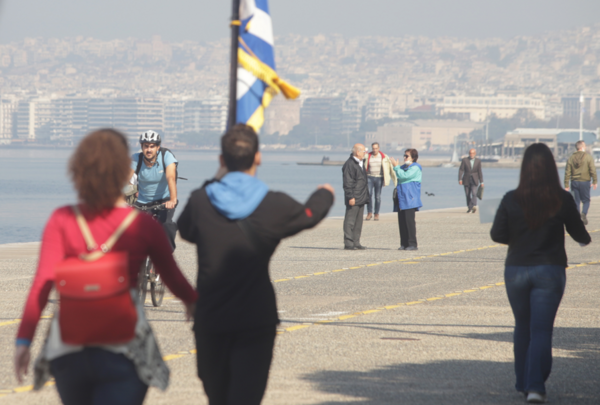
{"type": "Point", "coordinates": [374, 184]}
{"type": "Point", "coordinates": [96, 376]}
{"type": "Point", "coordinates": [581, 193]}
{"type": "Point", "coordinates": [534, 293]}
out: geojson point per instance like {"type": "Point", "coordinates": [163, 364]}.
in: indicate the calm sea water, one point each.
{"type": "Point", "coordinates": [34, 182]}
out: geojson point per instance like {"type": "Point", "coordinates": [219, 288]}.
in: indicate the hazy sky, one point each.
{"type": "Point", "coordinates": [196, 20]}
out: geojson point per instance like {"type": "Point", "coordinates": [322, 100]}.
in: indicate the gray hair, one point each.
{"type": "Point", "coordinates": [578, 144]}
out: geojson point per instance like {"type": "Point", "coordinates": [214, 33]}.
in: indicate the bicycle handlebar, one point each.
{"type": "Point", "coordinates": [157, 207]}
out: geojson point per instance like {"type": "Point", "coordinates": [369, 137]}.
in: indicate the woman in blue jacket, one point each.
{"type": "Point", "coordinates": [408, 199]}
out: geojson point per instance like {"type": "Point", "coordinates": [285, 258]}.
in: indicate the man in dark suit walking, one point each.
{"type": "Point", "coordinates": [470, 176]}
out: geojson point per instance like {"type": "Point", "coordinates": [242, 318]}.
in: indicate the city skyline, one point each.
{"type": "Point", "coordinates": [368, 78]}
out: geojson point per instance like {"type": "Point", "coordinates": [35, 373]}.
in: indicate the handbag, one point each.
{"type": "Point", "coordinates": [96, 306]}
{"type": "Point", "coordinates": [480, 192]}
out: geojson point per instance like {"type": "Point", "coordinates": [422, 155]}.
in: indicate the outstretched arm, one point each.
{"type": "Point", "coordinates": [305, 216]}
{"type": "Point", "coordinates": [410, 174]}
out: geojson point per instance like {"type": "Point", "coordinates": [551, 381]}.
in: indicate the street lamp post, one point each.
{"type": "Point", "coordinates": [581, 100]}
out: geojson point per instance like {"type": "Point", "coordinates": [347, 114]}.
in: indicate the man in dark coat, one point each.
{"type": "Point", "coordinates": [470, 176]}
{"type": "Point", "coordinates": [356, 195]}
{"type": "Point", "coordinates": [236, 224]}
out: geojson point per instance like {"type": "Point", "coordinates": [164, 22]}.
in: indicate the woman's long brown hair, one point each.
{"type": "Point", "coordinates": [539, 191]}
{"type": "Point", "coordinates": [100, 168]}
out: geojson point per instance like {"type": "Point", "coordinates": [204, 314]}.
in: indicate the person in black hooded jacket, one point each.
{"type": "Point", "coordinates": [236, 224]}
{"type": "Point", "coordinates": [356, 195]}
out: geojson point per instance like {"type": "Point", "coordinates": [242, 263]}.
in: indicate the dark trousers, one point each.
{"type": "Point", "coordinates": [471, 194]}
{"type": "Point", "coordinates": [353, 222]}
{"type": "Point", "coordinates": [375, 184]}
{"type": "Point", "coordinates": [95, 376]}
{"type": "Point", "coordinates": [408, 227]}
{"type": "Point", "coordinates": [534, 293]}
{"type": "Point", "coordinates": [234, 367]}
{"type": "Point", "coordinates": [581, 194]}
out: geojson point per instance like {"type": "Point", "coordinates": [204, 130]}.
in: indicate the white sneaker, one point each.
{"type": "Point", "coordinates": [536, 398]}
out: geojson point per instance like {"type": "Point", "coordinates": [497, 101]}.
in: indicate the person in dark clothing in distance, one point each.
{"type": "Point", "coordinates": [236, 224]}
{"type": "Point", "coordinates": [470, 176]}
{"type": "Point", "coordinates": [531, 220]}
{"type": "Point", "coordinates": [356, 195]}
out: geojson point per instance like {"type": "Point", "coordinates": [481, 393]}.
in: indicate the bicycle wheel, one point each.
{"type": "Point", "coordinates": [157, 290]}
{"type": "Point", "coordinates": [143, 281]}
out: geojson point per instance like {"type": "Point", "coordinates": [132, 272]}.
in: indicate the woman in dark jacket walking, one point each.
{"type": "Point", "coordinates": [531, 220]}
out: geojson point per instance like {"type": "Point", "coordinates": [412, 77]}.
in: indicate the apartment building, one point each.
{"type": "Point", "coordinates": [205, 115]}
{"type": "Point", "coordinates": [480, 108]}
{"type": "Point", "coordinates": [323, 115]}
{"type": "Point", "coordinates": [571, 105]}
{"type": "Point", "coordinates": [422, 134]}
{"type": "Point", "coordinates": [8, 109]}
{"type": "Point", "coordinates": [33, 120]}
{"type": "Point", "coordinates": [173, 117]}
{"type": "Point", "coordinates": [281, 116]}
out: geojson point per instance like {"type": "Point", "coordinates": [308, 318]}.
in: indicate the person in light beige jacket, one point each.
{"type": "Point", "coordinates": [379, 173]}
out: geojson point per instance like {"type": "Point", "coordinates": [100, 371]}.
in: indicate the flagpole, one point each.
{"type": "Point", "coordinates": [233, 64]}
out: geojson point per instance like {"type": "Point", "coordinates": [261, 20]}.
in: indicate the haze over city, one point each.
{"type": "Point", "coordinates": [389, 65]}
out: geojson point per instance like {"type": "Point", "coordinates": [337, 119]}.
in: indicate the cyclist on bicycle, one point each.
{"type": "Point", "coordinates": [156, 170]}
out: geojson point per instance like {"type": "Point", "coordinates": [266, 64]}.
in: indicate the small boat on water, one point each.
{"type": "Point", "coordinates": [324, 162]}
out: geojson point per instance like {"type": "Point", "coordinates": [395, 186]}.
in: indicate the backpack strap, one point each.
{"type": "Point", "coordinates": [139, 165]}
{"type": "Point", "coordinates": [85, 229]}
{"type": "Point", "coordinates": [110, 242]}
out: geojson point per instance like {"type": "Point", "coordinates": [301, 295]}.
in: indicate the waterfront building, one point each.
{"type": "Point", "coordinates": [571, 105]}
{"type": "Point", "coordinates": [135, 115]}
{"type": "Point", "coordinates": [560, 141]}
{"type": "Point", "coordinates": [377, 108]}
{"type": "Point", "coordinates": [69, 118]}
{"type": "Point", "coordinates": [205, 115]}
{"type": "Point", "coordinates": [33, 120]}
{"type": "Point", "coordinates": [281, 116]}
{"type": "Point", "coordinates": [352, 116]}
{"type": "Point", "coordinates": [323, 116]}
{"type": "Point", "coordinates": [173, 117]}
{"type": "Point", "coordinates": [480, 108]}
{"type": "Point", "coordinates": [422, 134]}
{"type": "Point", "coordinates": [8, 109]}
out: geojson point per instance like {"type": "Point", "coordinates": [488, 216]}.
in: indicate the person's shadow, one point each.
{"type": "Point", "coordinates": [575, 379]}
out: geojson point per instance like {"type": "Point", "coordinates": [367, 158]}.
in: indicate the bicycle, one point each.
{"type": "Point", "coordinates": [147, 273]}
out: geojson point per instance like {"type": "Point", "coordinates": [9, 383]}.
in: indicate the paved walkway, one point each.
{"type": "Point", "coordinates": [379, 326]}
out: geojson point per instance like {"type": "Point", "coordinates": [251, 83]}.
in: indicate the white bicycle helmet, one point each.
{"type": "Point", "coordinates": [150, 137]}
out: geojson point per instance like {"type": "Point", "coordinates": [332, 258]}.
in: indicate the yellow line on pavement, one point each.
{"type": "Point", "coordinates": [403, 304]}
{"type": "Point", "coordinates": [410, 260]}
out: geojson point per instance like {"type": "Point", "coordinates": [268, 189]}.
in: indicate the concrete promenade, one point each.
{"type": "Point", "coordinates": [379, 326]}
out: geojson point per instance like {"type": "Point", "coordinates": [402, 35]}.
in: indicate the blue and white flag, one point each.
{"type": "Point", "coordinates": [257, 80]}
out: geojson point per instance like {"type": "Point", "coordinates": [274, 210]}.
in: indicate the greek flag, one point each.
{"type": "Point", "coordinates": [257, 80]}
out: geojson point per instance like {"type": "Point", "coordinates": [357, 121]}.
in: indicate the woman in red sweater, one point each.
{"type": "Point", "coordinates": [112, 373]}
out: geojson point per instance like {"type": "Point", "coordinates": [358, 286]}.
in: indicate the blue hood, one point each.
{"type": "Point", "coordinates": [237, 195]}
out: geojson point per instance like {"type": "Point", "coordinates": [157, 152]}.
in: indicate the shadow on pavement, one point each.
{"type": "Point", "coordinates": [574, 378]}
{"type": "Point", "coordinates": [341, 248]}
